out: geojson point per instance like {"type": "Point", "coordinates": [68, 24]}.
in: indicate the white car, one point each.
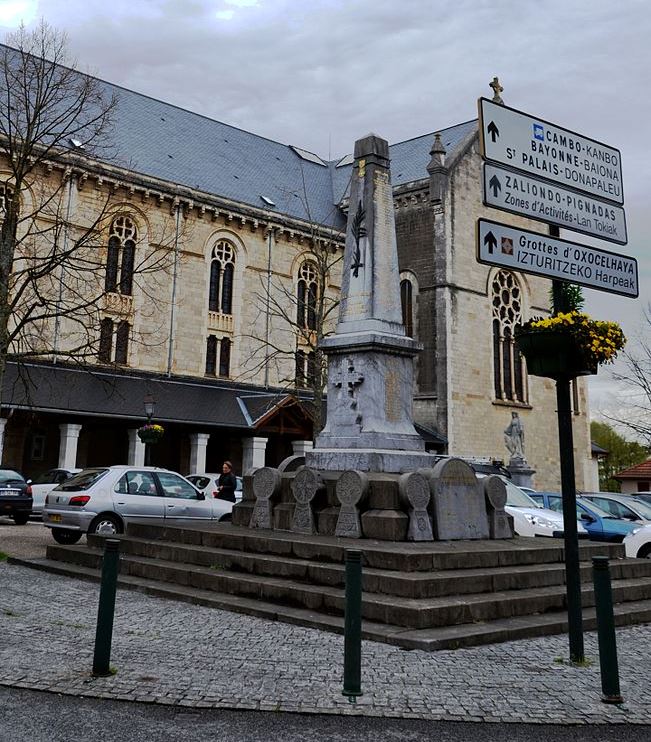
{"type": "Point", "coordinates": [45, 483]}
{"type": "Point", "coordinates": [207, 483]}
{"type": "Point", "coordinates": [638, 543]}
{"type": "Point", "coordinates": [529, 519]}
{"type": "Point", "coordinates": [104, 499]}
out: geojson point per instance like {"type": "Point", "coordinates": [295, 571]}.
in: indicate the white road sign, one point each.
{"type": "Point", "coordinates": [516, 139]}
{"type": "Point", "coordinates": [551, 257]}
{"type": "Point", "coordinates": [523, 194]}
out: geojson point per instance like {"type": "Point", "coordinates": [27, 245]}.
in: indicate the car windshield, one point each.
{"type": "Point", "coordinates": [81, 481]}
{"type": "Point", "coordinates": [643, 508]}
{"type": "Point", "coordinates": [516, 498]}
{"type": "Point", "coordinates": [8, 475]}
{"type": "Point", "coordinates": [595, 509]}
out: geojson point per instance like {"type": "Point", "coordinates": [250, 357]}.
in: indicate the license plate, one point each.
{"type": "Point", "coordinates": [55, 518]}
{"type": "Point", "coordinates": [10, 493]}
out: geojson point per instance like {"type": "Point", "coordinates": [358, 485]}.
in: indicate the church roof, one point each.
{"type": "Point", "coordinates": [172, 144]}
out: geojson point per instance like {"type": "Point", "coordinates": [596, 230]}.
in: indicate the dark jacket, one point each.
{"type": "Point", "coordinates": [227, 483]}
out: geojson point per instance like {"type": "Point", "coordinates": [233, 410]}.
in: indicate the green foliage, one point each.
{"type": "Point", "coordinates": [3, 556]}
{"type": "Point", "coordinates": [622, 454]}
{"type": "Point", "coordinates": [568, 298]}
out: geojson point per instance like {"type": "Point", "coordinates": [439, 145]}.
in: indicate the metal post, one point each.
{"type": "Point", "coordinates": [106, 608]}
{"type": "Point", "coordinates": [568, 489]}
{"type": "Point", "coordinates": [147, 454]}
{"type": "Point", "coordinates": [606, 631]}
{"type": "Point", "coordinates": [353, 626]}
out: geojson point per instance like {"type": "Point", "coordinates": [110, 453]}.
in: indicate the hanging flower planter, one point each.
{"type": "Point", "coordinates": [150, 433]}
{"type": "Point", "coordinates": [568, 345]}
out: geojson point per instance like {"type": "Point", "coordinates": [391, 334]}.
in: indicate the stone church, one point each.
{"type": "Point", "coordinates": [216, 338]}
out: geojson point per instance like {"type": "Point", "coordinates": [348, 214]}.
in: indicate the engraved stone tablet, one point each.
{"type": "Point", "coordinates": [415, 495]}
{"type": "Point", "coordinates": [352, 490]}
{"type": "Point", "coordinates": [458, 506]}
{"type": "Point", "coordinates": [499, 525]}
{"type": "Point", "coordinates": [266, 484]}
{"type": "Point", "coordinates": [307, 483]}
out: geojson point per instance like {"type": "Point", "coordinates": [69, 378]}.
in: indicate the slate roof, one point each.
{"type": "Point", "coordinates": [172, 144]}
{"type": "Point", "coordinates": [78, 392]}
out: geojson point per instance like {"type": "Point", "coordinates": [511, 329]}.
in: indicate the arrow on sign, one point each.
{"type": "Point", "coordinates": [495, 184]}
{"type": "Point", "coordinates": [493, 131]}
{"type": "Point", "coordinates": [491, 242]}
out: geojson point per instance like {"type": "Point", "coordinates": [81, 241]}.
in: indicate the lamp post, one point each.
{"type": "Point", "coordinates": [149, 411]}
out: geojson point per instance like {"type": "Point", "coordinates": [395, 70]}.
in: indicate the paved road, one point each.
{"type": "Point", "coordinates": [28, 541]}
{"type": "Point", "coordinates": [29, 716]}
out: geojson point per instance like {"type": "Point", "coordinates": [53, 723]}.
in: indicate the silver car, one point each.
{"type": "Point", "coordinates": [103, 499]}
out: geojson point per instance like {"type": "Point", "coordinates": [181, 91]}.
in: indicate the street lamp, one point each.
{"type": "Point", "coordinates": [149, 404]}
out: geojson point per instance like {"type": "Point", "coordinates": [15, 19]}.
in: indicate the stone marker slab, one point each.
{"type": "Point", "coordinates": [352, 490]}
{"type": "Point", "coordinates": [305, 486]}
{"type": "Point", "coordinates": [415, 495]}
{"type": "Point", "coordinates": [499, 525]}
{"type": "Point", "coordinates": [458, 503]}
{"type": "Point", "coordinates": [266, 484]}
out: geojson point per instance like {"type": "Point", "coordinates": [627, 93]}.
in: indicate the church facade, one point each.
{"type": "Point", "coordinates": [219, 336]}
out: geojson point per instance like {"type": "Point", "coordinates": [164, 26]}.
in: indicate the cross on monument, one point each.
{"type": "Point", "coordinates": [351, 378]}
{"type": "Point", "coordinates": [497, 89]}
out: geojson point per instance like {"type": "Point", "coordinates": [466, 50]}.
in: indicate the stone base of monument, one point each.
{"type": "Point", "coordinates": [427, 595]}
{"type": "Point", "coordinates": [521, 472]}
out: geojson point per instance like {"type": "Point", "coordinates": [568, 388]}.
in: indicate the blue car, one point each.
{"type": "Point", "coordinates": [600, 525]}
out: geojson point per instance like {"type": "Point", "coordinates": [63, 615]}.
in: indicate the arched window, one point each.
{"type": "Point", "coordinates": [305, 368]}
{"type": "Point", "coordinates": [306, 297]}
{"type": "Point", "coordinates": [121, 256]}
{"type": "Point", "coordinates": [222, 269]}
{"type": "Point", "coordinates": [407, 304]}
{"type": "Point", "coordinates": [225, 357]}
{"type": "Point", "coordinates": [508, 364]}
{"type": "Point", "coordinates": [217, 348]}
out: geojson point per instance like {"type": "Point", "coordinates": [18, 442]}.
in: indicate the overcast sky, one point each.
{"type": "Point", "coordinates": [321, 73]}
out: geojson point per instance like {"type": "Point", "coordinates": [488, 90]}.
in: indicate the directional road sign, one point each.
{"type": "Point", "coordinates": [551, 257]}
{"type": "Point", "coordinates": [516, 139]}
{"type": "Point", "coordinates": [518, 193]}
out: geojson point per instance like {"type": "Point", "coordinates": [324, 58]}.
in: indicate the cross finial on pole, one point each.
{"type": "Point", "coordinates": [497, 89]}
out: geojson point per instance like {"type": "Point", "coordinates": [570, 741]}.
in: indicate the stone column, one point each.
{"type": "Point", "coordinates": [3, 422]}
{"type": "Point", "coordinates": [253, 451]}
{"type": "Point", "coordinates": [198, 446]}
{"type": "Point", "coordinates": [68, 439]}
{"type": "Point", "coordinates": [300, 448]}
{"type": "Point", "coordinates": [136, 456]}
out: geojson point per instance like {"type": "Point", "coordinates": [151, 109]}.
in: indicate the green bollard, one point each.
{"type": "Point", "coordinates": [353, 626]}
{"type": "Point", "coordinates": [106, 609]}
{"type": "Point", "coordinates": [606, 631]}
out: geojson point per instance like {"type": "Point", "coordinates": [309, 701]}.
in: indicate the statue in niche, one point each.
{"type": "Point", "coordinates": [514, 437]}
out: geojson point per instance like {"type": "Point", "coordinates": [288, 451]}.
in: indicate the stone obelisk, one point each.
{"type": "Point", "coordinates": [370, 360]}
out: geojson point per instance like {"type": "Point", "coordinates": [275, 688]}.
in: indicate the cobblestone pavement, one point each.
{"type": "Point", "coordinates": [168, 652]}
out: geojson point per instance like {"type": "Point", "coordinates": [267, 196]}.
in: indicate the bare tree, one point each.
{"type": "Point", "coordinates": [293, 319]}
{"type": "Point", "coordinates": [55, 128]}
{"type": "Point", "coordinates": [636, 380]}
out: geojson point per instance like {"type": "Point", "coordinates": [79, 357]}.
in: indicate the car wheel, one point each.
{"type": "Point", "coordinates": [66, 536]}
{"type": "Point", "coordinates": [106, 525]}
{"type": "Point", "coordinates": [644, 552]}
{"type": "Point", "coordinates": [20, 518]}
{"type": "Point", "coordinates": [226, 518]}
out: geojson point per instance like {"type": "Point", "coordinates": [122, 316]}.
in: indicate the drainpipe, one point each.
{"type": "Point", "coordinates": [57, 317]}
{"type": "Point", "coordinates": [174, 280]}
{"type": "Point", "coordinates": [268, 310]}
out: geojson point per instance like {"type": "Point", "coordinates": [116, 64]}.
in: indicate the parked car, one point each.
{"type": "Point", "coordinates": [600, 525]}
{"type": "Point", "coordinates": [15, 496]}
{"type": "Point", "coordinates": [644, 496]}
{"type": "Point", "coordinates": [529, 518]}
{"type": "Point", "coordinates": [638, 542]}
{"type": "Point", "coordinates": [207, 483]}
{"type": "Point", "coordinates": [45, 483]}
{"type": "Point", "coordinates": [103, 499]}
{"type": "Point", "coordinates": [621, 506]}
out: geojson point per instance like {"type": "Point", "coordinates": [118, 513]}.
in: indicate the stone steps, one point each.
{"type": "Point", "coordinates": [429, 595]}
{"type": "Point", "coordinates": [429, 639]}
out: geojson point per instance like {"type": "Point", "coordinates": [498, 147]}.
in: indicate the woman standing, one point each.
{"type": "Point", "coordinates": [227, 483]}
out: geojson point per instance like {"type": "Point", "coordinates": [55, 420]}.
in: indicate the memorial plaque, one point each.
{"type": "Point", "coordinates": [458, 506]}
